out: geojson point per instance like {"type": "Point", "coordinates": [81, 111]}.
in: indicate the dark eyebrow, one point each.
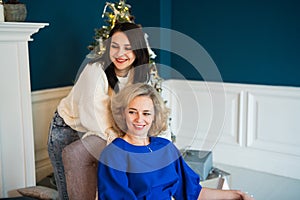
{"type": "Point", "coordinates": [114, 43]}
{"type": "Point", "coordinates": [119, 44]}
{"type": "Point", "coordinates": [136, 110]}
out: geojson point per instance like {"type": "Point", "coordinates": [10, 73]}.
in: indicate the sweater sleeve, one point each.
{"type": "Point", "coordinates": [113, 183]}
{"type": "Point", "coordinates": [87, 107]}
{"type": "Point", "coordinates": [189, 182]}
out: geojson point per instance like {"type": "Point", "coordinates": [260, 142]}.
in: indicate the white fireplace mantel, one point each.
{"type": "Point", "coordinates": [17, 162]}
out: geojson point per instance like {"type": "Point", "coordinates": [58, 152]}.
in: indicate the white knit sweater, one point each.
{"type": "Point", "coordinates": [87, 106]}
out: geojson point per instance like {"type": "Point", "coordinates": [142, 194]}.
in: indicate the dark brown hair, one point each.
{"type": "Point", "coordinates": [138, 44]}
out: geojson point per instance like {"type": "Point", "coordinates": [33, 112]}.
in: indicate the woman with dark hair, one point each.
{"type": "Point", "coordinates": [86, 111]}
{"type": "Point", "coordinates": [137, 45]}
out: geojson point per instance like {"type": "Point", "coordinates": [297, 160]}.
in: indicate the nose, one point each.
{"type": "Point", "coordinates": [121, 52]}
{"type": "Point", "coordinates": [139, 117]}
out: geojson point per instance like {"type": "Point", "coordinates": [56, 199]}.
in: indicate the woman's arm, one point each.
{"type": "Point", "coordinates": [94, 103]}
{"type": "Point", "coordinates": [113, 183]}
{"type": "Point", "coordinates": [214, 194]}
{"type": "Point", "coordinates": [86, 108]}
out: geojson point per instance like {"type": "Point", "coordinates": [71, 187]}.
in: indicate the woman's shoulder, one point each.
{"type": "Point", "coordinates": [162, 143]}
{"type": "Point", "coordinates": [160, 140]}
{"type": "Point", "coordinates": [92, 72]}
{"type": "Point", "coordinates": [114, 146]}
{"type": "Point", "coordinates": [96, 66]}
{"type": "Point", "coordinates": [118, 141]}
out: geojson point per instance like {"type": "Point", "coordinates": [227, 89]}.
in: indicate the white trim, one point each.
{"type": "Point", "coordinates": [261, 125]}
{"type": "Point", "coordinates": [44, 103]}
{"type": "Point", "coordinates": [238, 144]}
{"type": "Point", "coordinates": [16, 129]}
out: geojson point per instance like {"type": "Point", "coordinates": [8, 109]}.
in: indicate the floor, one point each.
{"type": "Point", "coordinates": [263, 186]}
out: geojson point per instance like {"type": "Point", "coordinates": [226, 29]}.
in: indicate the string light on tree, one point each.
{"type": "Point", "coordinates": [119, 13]}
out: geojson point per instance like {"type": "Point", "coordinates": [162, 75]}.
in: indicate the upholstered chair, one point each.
{"type": "Point", "coordinates": [80, 161]}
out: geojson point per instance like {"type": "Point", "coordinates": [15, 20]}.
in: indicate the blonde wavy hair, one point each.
{"type": "Point", "coordinates": [121, 100]}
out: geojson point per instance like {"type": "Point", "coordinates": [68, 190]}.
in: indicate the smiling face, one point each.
{"type": "Point", "coordinates": [139, 116]}
{"type": "Point", "coordinates": [121, 53]}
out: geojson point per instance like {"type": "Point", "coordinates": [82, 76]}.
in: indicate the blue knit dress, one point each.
{"type": "Point", "coordinates": [156, 171]}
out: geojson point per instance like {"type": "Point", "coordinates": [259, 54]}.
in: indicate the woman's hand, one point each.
{"type": "Point", "coordinates": [243, 195]}
{"type": "Point", "coordinates": [214, 194]}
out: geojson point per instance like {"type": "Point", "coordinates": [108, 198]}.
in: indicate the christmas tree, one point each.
{"type": "Point", "coordinates": [119, 13]}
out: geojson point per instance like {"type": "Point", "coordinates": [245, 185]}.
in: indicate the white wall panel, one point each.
{"type": "Point", "coordinates": [261, 126]}
{"type": "Point", "coordinates": [231, 132]}
{"type": "Point", "coordinates": [203, 113]}
{"type": "Point", "coordinates": [273, 121]}
{"type": "Point", "coordinates": [44, 103]}
{"type": "Point", "coordinates": [249, 126]}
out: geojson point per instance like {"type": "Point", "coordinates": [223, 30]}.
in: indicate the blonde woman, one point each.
{"type": "Point", "coordinates": [139, 165]}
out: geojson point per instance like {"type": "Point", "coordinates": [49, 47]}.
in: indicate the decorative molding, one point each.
{"type": "Point", "coordinates": [273, 121]}
{"type": "Point", "coordinates": [248, 138]}
{"type": "Point", "coordinates": [19, 31]}
{"type": "Point", "coordinates": [203, 110]}
{"type": "Point", "coordinates": [261, 124]}
{"type": "Point", "coordinates": [44, 103]}
{"type": "Point", "coordinates": [16, 134]}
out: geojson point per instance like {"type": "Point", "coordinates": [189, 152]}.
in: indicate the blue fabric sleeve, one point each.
{"type": "Point", "coordinates": [113, 185]}
{"type": "Point", "coordinates": [189, 183]}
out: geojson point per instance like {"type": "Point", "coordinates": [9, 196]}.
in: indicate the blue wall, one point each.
{"type": "Point", "coordinates": [251, 41]}
{"type": "Point", "coordinates": [59, 49]}
{"type": "Point", "coordinates": [254, 41]}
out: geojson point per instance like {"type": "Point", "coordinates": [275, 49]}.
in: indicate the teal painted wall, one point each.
{"type": "Point", "coordinates": [59, 49]}
{"type": "Point", "coordinates": [251, 41]}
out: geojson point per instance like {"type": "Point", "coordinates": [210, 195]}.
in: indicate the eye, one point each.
{"type": "Point", "coordinates": [131, 112]}
{"type": "Point", "coordinates": [128, 48]}
{"type": "Point", "coordinates": [114, 46]}
{"type": "Point", "coordinates": [147, 114]}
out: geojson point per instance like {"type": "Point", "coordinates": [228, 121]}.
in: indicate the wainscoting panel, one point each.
{"type": "Point", "coordinates": [202, 113]}
{"type": "Point", "coordinates": [261, 129]}
{"type": "Point", "coordinates": [44, 103]}
{"type": "Point", "coordinates": [273, 120]}
{"type": "Point", "coordinates": [251, 126]}
{"type": "Point", "coordinates": [231, 131]}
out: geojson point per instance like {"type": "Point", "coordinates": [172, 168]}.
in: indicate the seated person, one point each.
{"type": "Point", "coordinates": [138, 165]}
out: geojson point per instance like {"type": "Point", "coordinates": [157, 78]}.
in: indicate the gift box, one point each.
{"type": "Point", "coordinates": [199, 161]}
